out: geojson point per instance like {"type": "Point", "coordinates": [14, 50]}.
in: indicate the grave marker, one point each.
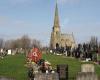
{"type": "Point", "coordinates": [87, 73]}
{"type": "Point", "coordinates": [62, 71]}
{"type": "Point", "coordinates": [44, 76]}
{"type": "Point", "coordinates": [87, 68]}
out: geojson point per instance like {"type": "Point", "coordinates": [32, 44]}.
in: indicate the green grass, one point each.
{"type": "Point", "coordinates": [13, 66]}
{"type": "Point", "coordinates": [99, 57]}
{"type": "Point", "coordinates": [74, 64]}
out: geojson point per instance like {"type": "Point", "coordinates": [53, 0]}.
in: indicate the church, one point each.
{"type": "Point", "coordinates": [59, 38]}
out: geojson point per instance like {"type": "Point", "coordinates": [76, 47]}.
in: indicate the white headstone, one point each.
{"type": "Point", "coordinates": [51, 51]}
{"type": "Point", "coordinates": [1, 50]}
{"type": "Point", "coordinates": [9, 52]}
{"type": "Point", "coordinates": [88, 59]}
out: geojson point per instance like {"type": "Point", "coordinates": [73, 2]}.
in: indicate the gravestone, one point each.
{"type": "Point", "coordinates": [62, 70]}
{"type": "Point", "coordinates": [9, 52]}
{"type": "Point", "coordinates": [6, 78]}
{"type": "Point", "coordinates": [13, 52]}
{"type": "Point", "coordinates": [44, 76]}
{"type": "Point", "coordinates": [87, 73]}
{"type": "Point", "coordinates": [87, 68]}
{"type": "Point", "coordinates": [88, 59]}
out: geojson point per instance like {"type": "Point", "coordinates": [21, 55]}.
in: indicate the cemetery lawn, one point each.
{"type": "Point", "coordinates": [14, 66]}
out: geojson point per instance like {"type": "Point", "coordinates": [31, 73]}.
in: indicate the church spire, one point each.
{"type": "Point", "coordinates": [56, 18]}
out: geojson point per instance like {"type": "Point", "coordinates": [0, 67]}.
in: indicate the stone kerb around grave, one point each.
{"type": "Point", "coordinates": [5, 78]}
{"type": "Point", "coordinates": [87, 72]}
{"type": "Point", "coordinates": [44, 76]}
{"type": "Point", "coordinates": [86, 76]}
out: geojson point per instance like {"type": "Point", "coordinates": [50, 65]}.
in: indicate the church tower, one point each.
{"type": "Point", "coordinates": [55, 35]}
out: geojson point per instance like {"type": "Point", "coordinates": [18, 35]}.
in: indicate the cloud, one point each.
{"type": "Point", "coordinates": [68, 1]}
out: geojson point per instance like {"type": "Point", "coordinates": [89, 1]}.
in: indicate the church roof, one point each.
{"type": "Point", "coordinates": [67, 36]}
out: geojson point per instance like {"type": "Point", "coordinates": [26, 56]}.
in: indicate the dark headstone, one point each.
{"type": "Point", "coordinates": [62, 71]}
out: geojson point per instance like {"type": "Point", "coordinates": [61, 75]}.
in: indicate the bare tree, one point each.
{"type": "Point", "coordinates": [1, 42]}
{"type": "Point", "coordinates": [15, 44]}
{"type": "Point", "coordinates": [7, 44]}
{"type": "Point", "coordinates": [94, 42]}
{"type": "Point", "coordinates": [36, 43]}
{"type": "Point", "coordinates": [25, 42]}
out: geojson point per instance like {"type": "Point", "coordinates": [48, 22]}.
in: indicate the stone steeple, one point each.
{"type": "Point", "coordinates": [55, 35]}
{"type": "Point", "coordinates": [59, 39]}
{"type": "Point", "coordinates": [56, 18]}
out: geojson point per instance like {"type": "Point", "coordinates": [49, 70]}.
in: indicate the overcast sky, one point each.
{"type": "Point", "coordinates": [36, 17]}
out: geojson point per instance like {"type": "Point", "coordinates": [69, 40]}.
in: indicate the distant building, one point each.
{"type": "Point", "coordinates": [57, 38]}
